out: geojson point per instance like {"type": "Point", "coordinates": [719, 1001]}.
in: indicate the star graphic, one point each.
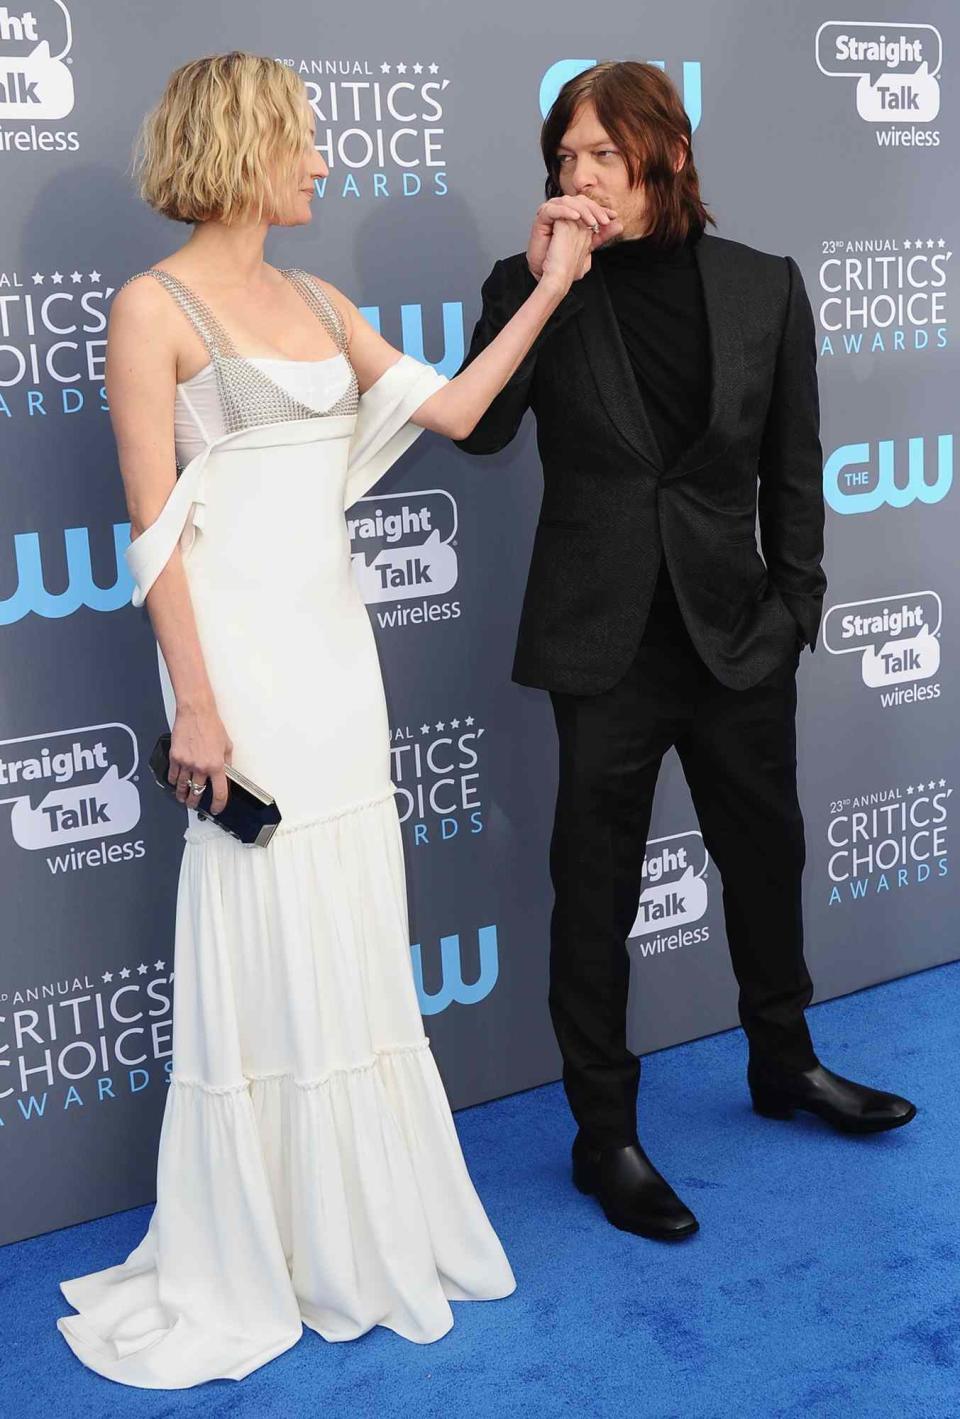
{"type": "Point", "coordinates": [94, 275]}
{"type": "Point", "coordinates": [917, 242]}
{"type": "Point", "coordinates": [907, 245]}
{"type": "Point", "coordinates": [434, 68]}
{"type": "Point", "coordinates": [56, 278]}
{"type": "Point", "coordinates": [384, 68]}
{"type": "Point", "coordinates": [418, 68]}
{"type": "Point", "coordinates": [929, 242]}
{"type": "Point", "coordinates": [424, 729]}
{"type": "Point", "coordinates": [910, 789]}
{"type": "Point", "coordinates": [107, 977]}
{"type": "Point", "coordinates": [159, 965]}
{"type": "Point", "coordinates": [124, 973]}
{"type": "Point", "coordinates": [941, 242]}
{"type": "Point", "coordinates": [469, 719]}
{"type": "Point", "coordinates": [141, 969]}
{"type": "Point", "coordinates": [401, 68]}
{"type": "Point", "coordinates": [440, 725]}
{"type": "Point", "coordinates": [943, 783]}
{"type": "Point", "coordinates": [931, 784]}
{"type": "Point", "coordinates": [919, 787]}
{"type": "Point", "coordinates": [75, 277]}
{"type": "Point", "coordinates": [37, 279]}
{"type": "Point", "coordinates": [454, 724]}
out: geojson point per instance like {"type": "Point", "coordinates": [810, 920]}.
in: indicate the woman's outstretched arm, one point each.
{"type": "Point", "coordinates": [456, 408]}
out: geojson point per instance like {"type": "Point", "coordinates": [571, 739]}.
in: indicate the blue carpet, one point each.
{"type": "Point", "coordinates": [825, 1280]}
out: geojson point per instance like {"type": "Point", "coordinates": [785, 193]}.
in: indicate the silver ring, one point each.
{"type": "Point", "coordinates": [595, 228]}
{"type": "Point", "coordinates": [195, 787]}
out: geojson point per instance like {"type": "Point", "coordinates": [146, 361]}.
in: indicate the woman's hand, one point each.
{"type": "Point", "coordinates": [199, 748]}
{"type": "Point", "coordinates": [569, 209]}
{"type": "Point", "coordinates": [568, 256]}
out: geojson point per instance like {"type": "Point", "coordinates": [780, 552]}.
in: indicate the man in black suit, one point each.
{"type": "Point", "coordinates": [675, 394]}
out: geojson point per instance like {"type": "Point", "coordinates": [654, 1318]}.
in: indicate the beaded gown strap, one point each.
{"type": "Point", "coordinates": [320, 303]}
{"type": "Point", "coordinates": [248, 396]}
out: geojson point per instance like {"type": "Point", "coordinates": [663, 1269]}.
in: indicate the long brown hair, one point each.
{"type": "Point", "coordinates": [644, 115]}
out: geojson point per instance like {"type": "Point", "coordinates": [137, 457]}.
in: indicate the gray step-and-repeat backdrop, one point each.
{"type": "Point", "coordinates": [826, 134]}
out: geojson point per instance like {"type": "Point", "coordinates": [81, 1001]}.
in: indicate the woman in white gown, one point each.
{"type": "Point", "coordinates": [309, 1171]}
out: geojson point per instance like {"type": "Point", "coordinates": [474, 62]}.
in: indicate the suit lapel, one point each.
{"type": "Point", "coordinates": [724, 298]}
{"type": "Point", "coordinates": [610, 366]}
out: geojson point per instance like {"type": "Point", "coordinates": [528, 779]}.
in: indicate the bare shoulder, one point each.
{"type": "Point", "coordinates": [140, 304]}
{"type": "Point", "coordinates": [144, 333]}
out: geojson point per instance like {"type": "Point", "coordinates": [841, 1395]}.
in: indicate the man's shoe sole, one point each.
{"type": "Point", "coordinates": [780, 1106]}
{"type": "Point", "coordinates": [583, 1183]}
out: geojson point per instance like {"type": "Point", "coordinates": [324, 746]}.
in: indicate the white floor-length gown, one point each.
{"type": "Point", "coordinates": [309, 1171]}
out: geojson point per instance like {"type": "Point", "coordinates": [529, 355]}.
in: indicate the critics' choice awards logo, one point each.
{"type": "Point", "coordinates": [689, 82]}
{"type": "Point", "coordinates": [70, 787]}
{"type": "Point", "coordinates": [895, 67]}
{"type": "Point", "coordinates": [674, 895]}
{"type": "Point", "coordinates": [85, 1040]}
{"type": "Point", "coordinates": [897, 639]}
{"type": "Point", "coordinates": [861, 477]}
{"type": "Point", "coordinates": [36, 83]}
{"type": "Point", "coordinates": [403, 548]}
{"type": "Point", "coordinates": [53, 339]}
{"type": "Point", "coordinates": [52, 342]}
{"type": "Point", "coordinates": [94, 1037]}
{"type": "Point", "coordinates": [889, 840]}
{"type": "Point", "coordinates": [881, 295]}
{"type": "Point", "coordinates": [436, 772]}
{"type": "Point", "coordinates": [380, 125]}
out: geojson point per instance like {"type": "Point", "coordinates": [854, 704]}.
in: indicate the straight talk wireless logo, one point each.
{"type": "Point", "coordinates": [72, 787]}
{"type": "Point", "coordinates": [895, 67]}
{"type": "Point", "coordinates": [897, 639]}
{"type": "Point", "coordinates": [674, 897]}
{"type": "Point", "coordinates": [36, 80]}
{"type": "Point", "coordinates": [403, 547]}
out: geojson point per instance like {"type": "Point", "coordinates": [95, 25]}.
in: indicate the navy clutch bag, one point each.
{"type": "Point", "coordinates": [250, 814]}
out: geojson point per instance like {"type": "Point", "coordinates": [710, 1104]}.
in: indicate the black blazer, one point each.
{"type": "Point", "coordinates": [610, 508]}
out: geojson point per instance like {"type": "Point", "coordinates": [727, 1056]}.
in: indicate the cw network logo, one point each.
{"type": "Point", "coordinates": [564, 70]}
{"type": "Point", "coordinates": [860, 477]}
{"type": "Point", "coordinates": [452, 987]}
{"type": "Point", "coordinates": [31, 592]}
{"type": "Point", "coordinates": [411, 334]}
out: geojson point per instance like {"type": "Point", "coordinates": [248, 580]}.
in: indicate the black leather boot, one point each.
{"type": "Point", "coordinates": [633, 1195]}
{"type": "Point", "coordinates": [849, 1107]}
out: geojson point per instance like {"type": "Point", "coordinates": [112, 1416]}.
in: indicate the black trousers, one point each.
{"type": "Point", "coordinates": [738, 751]}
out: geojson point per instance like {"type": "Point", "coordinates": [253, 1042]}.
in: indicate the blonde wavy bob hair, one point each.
{"type": "Point", "coordinates": [225, 140]}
